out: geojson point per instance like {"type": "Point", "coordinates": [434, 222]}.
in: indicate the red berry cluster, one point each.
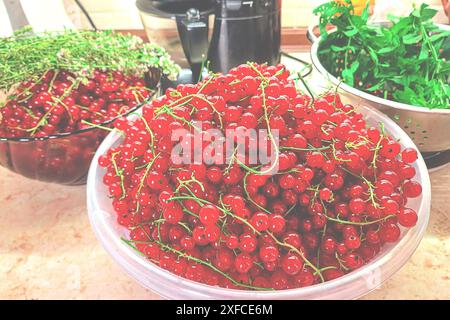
{"type": "Point", "coordinates": [60, 102]}
{"type": "Point", "coordinates": [339, 195]}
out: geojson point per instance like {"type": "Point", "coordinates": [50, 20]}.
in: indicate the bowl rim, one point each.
{"type": "Point", "coordinates": [359, 93]}
{"type": "Point", "coordinates": [96, 216]}
{"type": "Point", "coordinates": [155, 90]}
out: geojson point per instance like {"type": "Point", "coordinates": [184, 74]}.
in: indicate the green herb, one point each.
{"type": "Point", "coordinates": [26, 56]}
{"type": "Point", "coordinates": [406, 60]}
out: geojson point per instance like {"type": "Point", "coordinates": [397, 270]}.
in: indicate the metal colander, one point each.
{"type": "Point", "coordinates": [428, 128]}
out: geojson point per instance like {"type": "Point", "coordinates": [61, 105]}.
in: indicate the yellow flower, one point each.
{"type": "Point", "coordinates": [358, 5]}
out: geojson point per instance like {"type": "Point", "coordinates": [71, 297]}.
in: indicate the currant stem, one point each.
{"type": "Point", "coordinates": [211, 266]}
{"type": "Point", "coordinates": [300, 253]}
{"type": "Point", "coordinates": [186, 256]}
{"type": "Point", "coordinates": [359, 223]}
{"type": "Point", "coordinates": [119, 174]}
{"type": "Point", "coordinates": [250, 198]}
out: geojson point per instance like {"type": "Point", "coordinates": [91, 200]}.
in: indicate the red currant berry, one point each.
{"type": "Point", "coordinates": [412, 189]}
{"type": "Point", "coordinates": [409, 155]}
{"type": "Point", "coordinates": [407, 217]}
{"type": "Point", "coordinates": [276, 223]}
{"type": "Point", "coordinates": [209, 215]}
{"type": "Point", "coordinates": [291, 264]}
{"type": "Point", "coordinates": [268, 254]}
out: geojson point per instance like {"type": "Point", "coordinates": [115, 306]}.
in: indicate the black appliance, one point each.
{"type": "Point", "coordinates": [243, 30]}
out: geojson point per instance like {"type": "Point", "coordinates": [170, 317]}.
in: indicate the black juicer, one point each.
{"type": "Point", "coordinates": [243, 30]}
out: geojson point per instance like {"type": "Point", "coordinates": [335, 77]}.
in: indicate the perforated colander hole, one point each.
{"type": "Point", "coordinates": [424, 131]}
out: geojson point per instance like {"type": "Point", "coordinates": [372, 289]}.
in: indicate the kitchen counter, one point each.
{"type": "Point", "coordinates": [49, 251]}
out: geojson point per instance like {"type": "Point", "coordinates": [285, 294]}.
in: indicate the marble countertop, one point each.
{"type": "Point", "coordinates": [49, 251]}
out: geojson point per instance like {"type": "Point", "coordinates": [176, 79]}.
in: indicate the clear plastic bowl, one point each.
{"type": "Point", "coordinates": [353, 285]}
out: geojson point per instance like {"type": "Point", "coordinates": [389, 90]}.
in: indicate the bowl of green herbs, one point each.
{"type": "Point", "coordinates": [400, 66]}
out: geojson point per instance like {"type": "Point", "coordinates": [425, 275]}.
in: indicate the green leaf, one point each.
{"type": "Point", "coordinates": [385, 50]}
{"type": "Point", "coordinates": [424, 52]}
{"type": "Point", "coordinates": [376, 87]}
{"type": "Point", "coordinates": [373, 55]}
{"type": "Point", "coordinates": [348, 74]}
{"type": "Point", "coordinates": [438, 36]}
{"type": "Point", "coordinates": [335, 48]}
{"type": "Point", "coordinates": [365, 13]}
{"type": "Point", "coordinates": [412, 38]}
{"type": "Point", "coordinates": [427, 13]}
{"type": "Point", "coordinates": [354, 66]}
{"type": "Point", "coordinates": [348, 77]}
{"type": "Point", "coordinates": [350, 33]}
{"type": "Point", "coordinates": [409, 59]}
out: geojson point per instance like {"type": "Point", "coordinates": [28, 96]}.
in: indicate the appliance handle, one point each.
{"type": "Point", "coordinates": [193, 32]}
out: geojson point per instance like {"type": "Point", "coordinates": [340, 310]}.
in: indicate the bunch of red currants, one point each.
{"type": "Point", "coordinates": [339, 194]}
{"type": "Point", "coordinates": [60, 102]}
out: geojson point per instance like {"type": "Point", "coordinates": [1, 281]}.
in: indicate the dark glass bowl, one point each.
{"type": "Point", "coordinates": [62, 158]}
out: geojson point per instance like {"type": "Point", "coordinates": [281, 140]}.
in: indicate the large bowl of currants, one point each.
{"type": "Point", "coordinates": [59, 100]}
{"type": "Point", "coordinates": [340, 206]}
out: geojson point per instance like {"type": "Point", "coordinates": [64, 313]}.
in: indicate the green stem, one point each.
{"type": "Point", "coordinates": [119, 173]}
{"type": "Point", "coordinates": [211, 266]}
{"type": "Point", "coordinates": [300, 253]}
{"type": "Point", "coordinates": [359, 223]}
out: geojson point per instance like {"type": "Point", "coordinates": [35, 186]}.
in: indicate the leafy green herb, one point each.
{"type": "Point", "coordinates": [405, 60]}
{"type": "Point", "coordinates": [26, 56]}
